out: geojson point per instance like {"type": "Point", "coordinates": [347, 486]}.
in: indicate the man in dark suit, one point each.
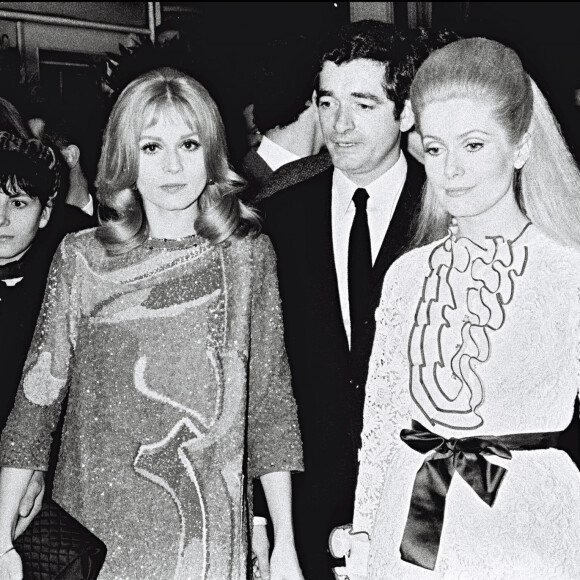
{"type": "Point", "coordinates": [333, 253]}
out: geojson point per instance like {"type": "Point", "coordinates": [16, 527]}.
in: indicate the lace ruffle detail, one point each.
{"type": "Point", "coordinates": [464, 299]}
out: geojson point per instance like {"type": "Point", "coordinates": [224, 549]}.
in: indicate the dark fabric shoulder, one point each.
{"type": "Point", "coordinates": [296, 206]}
{"type": "Point", "coordinates": [254, 168]}
{"type": "Point", "coordinates": [294, 172]}
{"type": "Point", "coordinates": [300, 192]}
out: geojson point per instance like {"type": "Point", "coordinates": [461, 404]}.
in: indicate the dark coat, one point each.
{"type": "Point", "coordinates": [255, 169]}
{"type": "Point", "coordinates": [20, 304]}
{"type": "Point", "coordinates": [294, 172]}
{"type": "Point", "coordinates": [328, 379]}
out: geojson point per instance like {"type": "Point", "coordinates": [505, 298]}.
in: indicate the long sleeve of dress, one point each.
{"type": "Point", "coordinates": [27, 437]}
{"type": "Point", "coordinates": [377, 417]}
{"type": "Point", "coordinates": [577, 354]}
{"type": "Point", "coordinates": [274, 442]}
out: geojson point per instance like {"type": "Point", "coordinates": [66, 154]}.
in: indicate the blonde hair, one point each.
{"type": "Point", "coordinates": [548, 185]}
{"type": "Point", "coordinates": [123, 221]}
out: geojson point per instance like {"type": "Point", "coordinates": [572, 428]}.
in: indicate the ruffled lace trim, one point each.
{"type": "Point", "coordinates": [463, 301]}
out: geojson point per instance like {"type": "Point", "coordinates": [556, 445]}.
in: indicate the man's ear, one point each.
{"type": "Point", "coordinates": [523, 151]}
{"type": "Point", "coordinates": [315, 97]}
{"type": "Point", "coordinates": [311, 101]}
{"type": "Point", "coordinates": [71, 154]}
{"type": "Point", "coordinates": [407, 119]}
{"type": "Point", "coordinates": [45, 215]}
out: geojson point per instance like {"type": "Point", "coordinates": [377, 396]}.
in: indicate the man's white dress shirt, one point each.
{"type": "Point", "coordinates": [274, 155]}
{"type": "Point", "coordinates": [384, 194]}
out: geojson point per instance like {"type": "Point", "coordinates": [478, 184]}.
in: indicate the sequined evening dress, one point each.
{"type": "Point", "coordinates": [164, 352]}
{"type": "Point", "coordinates": [476, 341]}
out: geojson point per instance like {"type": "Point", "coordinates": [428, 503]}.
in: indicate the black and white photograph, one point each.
{"type": "Point", "coordinates": [289, 290]}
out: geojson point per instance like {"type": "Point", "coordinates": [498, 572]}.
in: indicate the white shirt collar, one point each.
{"type": "Point", "coordinates": [12, 281]}
{"type": "Point", "coordinates": [275, 155]}
{"type": "Point", "coordinates": [385, 187]}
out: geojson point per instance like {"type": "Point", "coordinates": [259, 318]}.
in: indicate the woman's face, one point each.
{"type": "Point", "coordinates": [469, 158]}
{"type": "Point", "coordinates": [172, 173]}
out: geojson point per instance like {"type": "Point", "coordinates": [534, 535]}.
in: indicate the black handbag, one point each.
{"type": "Point", "coordinates": [55, 546]}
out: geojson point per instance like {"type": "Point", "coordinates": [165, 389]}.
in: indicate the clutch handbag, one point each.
{"type": "Point", "coordinates": [55, 546]}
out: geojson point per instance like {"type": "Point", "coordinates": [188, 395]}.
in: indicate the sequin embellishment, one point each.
{"type": "Point", "coordinates": [40, 387]}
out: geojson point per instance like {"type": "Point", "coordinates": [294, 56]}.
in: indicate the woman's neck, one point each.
{"type": "Point", "coordinates": [170, 224]}
{"type": "Point", "coordinates": [504, 219]}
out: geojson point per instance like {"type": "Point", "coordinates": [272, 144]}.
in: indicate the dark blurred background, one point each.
{"type": "Point", "coordinates": [86, 52]}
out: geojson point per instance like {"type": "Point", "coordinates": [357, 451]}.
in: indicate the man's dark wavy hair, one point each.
{"type": "Point", "coordinates": [400, 52]}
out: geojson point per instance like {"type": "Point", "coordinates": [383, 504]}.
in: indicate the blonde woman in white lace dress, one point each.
{"type": "Point", "coordinates": [476, 362]}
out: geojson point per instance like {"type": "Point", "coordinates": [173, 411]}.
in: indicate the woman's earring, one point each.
{"type": "Point", "coordinates": [210, 182]}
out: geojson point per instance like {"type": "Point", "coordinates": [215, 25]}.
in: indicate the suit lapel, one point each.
{"type": "Point", "coordinates": [399, 232]}
{"type": "Point", "coordinates": [323, 268]}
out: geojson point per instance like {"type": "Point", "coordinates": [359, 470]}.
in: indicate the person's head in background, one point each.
{"type": "Point", "coordinates": [29, 182]}
{"type": "Point", "coordinates": [77, 136]}
{"type": "Point", "coordinates": [363, 91]}
{"type": "Point", "coordinates": [488, 130]}
{"type": "Point", "coordinates": [164, 157]}
{"type": "Point", "coordinates": [253, 134]}
{"type": "Point", "coordinates": [11, 120]}
{"type": "Point", "coordinates": [284, 109]}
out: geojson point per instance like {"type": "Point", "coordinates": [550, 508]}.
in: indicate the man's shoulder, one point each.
{"type": "Point", "coordinates": [294, 173]}
{"type": "Point", "coordinates": [306, 190]}
{"type": "Point", "coordinates": [255, 168]}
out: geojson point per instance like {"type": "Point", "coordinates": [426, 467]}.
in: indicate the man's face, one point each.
{"type": "Point", "coordinates": [357, 119]}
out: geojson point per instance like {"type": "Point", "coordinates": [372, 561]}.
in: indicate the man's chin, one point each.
{"type": "Point", "coordinates": [344, 160]}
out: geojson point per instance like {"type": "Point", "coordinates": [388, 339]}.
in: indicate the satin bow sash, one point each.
{"type": "Point", "coordinates": [465, 456]}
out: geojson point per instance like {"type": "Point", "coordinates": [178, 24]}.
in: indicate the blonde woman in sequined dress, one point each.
{"type": "Point", "coordinates": [476, 363]}
{"type": "Point", "coordinates": [164, 328]}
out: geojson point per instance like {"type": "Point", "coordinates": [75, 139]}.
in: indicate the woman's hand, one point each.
{"type": "Point", "coordinates": [10, 565]}
{"type": "Point", "coordinates": [31, 503]}
{"type": "Point", "coordinates": [261, 552]}
{"type": "Point", "coordinates": [284, 562]}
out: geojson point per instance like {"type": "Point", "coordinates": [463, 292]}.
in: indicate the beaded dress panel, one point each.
{"type": "Point", "coordinates": [476, 340]}
{"type": "Point", "coordinates": [178, 389]}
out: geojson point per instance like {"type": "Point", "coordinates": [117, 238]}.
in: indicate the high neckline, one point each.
{"type": "Point", "coordinates": [173, 243]}
{"type": "Point", "coordinates": [452, 230]}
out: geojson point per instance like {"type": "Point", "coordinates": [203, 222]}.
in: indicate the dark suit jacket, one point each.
{"type": "Point", "coordinates": [292, 173]}
{"type": "Point", "coordinates": [255, 169]}
{"type": "Point", "coordinates": [328, 382]}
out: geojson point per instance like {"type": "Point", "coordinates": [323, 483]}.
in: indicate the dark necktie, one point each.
{"type": "Point", "coordinates": [359, 267]}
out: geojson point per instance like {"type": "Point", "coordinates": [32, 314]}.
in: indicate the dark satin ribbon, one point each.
{"type": "Point", "coordinates": [465, 456]}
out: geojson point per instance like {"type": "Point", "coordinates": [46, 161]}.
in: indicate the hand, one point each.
{"type": "Point", "coordinates": [261, 552]}
{"type": "Point", "coordinates": [11, 566]}
{"type": "Point", "coordinates": [31, 502]}
{"type": "Point", "coordinates": [284, 562]}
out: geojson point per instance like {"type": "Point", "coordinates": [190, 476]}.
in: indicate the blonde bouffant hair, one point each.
{"type": "Point", "coordinates": [159, 92]}
{"type": "Point", "coordinates": [547, 187]}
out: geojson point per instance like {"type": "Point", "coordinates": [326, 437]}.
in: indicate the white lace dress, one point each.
{"type": "Point", "coordinates": [476, 341]}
